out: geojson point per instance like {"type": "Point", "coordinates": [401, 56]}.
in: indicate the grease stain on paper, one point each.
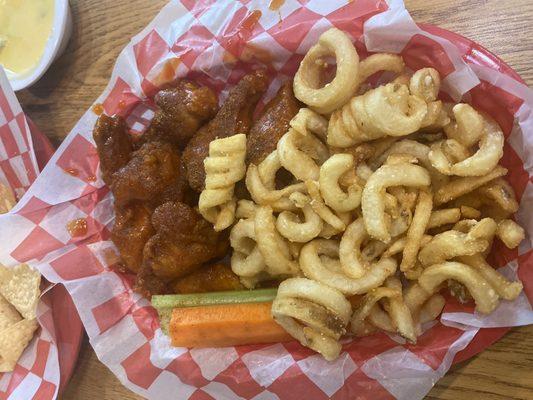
{"type": "Point", "coordinates": [276, 5]}
{"type": "Point", "coordinates": [168, 72]}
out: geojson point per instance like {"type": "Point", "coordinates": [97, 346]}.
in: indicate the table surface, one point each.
{"type": "Point", "coordinates": [103, 28]}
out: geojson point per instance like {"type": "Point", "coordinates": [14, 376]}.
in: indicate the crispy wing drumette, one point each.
{"type": "Point", "coordinates": [113, 144]}
{"type": "Point", "coordinates": [182, 111]}
{"type": "Point", "coordinates": [272, 124]}
{"type": "Point", "coordinates": [152, 171]}
{"type": "Point", "coordinates": [183, 242]}
{"type": "Point", "coordinates": [131, 231]}
{"type": "Point", "coordinates": [210, 278]}
{"type": "Point", "coordinates": [234, 117]}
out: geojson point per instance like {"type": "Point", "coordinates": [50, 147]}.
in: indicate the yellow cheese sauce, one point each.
{"type": "Point", "coordinates": [25, 26]}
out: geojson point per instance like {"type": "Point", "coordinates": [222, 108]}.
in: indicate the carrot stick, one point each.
{"type": "Point", "coordinates": [225, 325]}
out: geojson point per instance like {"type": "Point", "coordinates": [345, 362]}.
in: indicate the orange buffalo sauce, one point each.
{"type": "Point", "coordinates": [77, 227]}
{"type": "Point", "coordinates": [251, 20]}
{"type": "Point", "coordinates": [72, 171]}
{"type": "Point", "coordinates": [98, 109]}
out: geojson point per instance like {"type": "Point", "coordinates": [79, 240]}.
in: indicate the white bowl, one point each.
{"type": "Point", "coordinates": [56, 44]}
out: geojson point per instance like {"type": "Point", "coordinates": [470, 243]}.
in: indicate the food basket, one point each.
{"type": "Point", "coordinates": [215, 44]}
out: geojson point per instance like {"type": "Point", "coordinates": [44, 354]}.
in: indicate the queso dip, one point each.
{"type": "Point", "coordinates": [25, 26]}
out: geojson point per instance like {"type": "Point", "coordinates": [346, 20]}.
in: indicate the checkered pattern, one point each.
{"type": "Point", "coordinates": [18, 164]}
{"type": "Point", "coordinates": [48, 362]}
{"type": "Point", "coordinates": [216, 43]}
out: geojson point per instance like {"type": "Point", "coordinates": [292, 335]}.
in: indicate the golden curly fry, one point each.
{"type": "Point", "coordinates": [467, 126]}
{"type": "Point", "coordinates": [506, 290]}
{"type": "Point", "coordinates": [500, 193]}
{"type": "Point", "coordinates": [329, 231]}
{"type": "Point", "coordinates": [443, 217]}
{"type": "Point", "coordinates": [415, 296]}
{"type": "Point", "coordinates": [431, 309]}
{"type": "Point", "coordinates": [484, 160]}
{"type": "Point", "coordinates": [435, 275]}
{"type": "Point", "coordinates": [314, 268]}
{"type": "Point", "coordinates": [224, 167]}
{"type": "Point", "coordinates": [314, 314]}
{"type": "Point", "coordinates": [460, 186]}
{"type": "Point", "coordinates": [384, 111]}
{"type": "Point", "coordinates": [245, 209]}
{"type": "Point", "coordinates": [425, 83]}
{"type": "Point", "coordinates": [416, 230]}
{"type": "Point", "coordinates": [330, 174]}
{"type": "Point", "coordinates": [301, 152]}
{"type": "Point", "coordinates": [317, 203]}
{"type": "Point", "coordinates": [510, 233]}
{"type": "Point", "coordinates": [352, 262]}
{"type": "Point", "coordinates": [445, 153]}
{"type": "Point", "coordinates": [379, 62]}
{"type": "Point", "coordinates": [399, 312]}
{"type": "Point", "coordinates": [470, 212]}
{"type": "Point", "coordinates": [372, 201]}
{"type": "Point", "coordinates": [380, 319]}
{"type": "Point", "coordinates": [435, 119]}
{"type": "Point", "coordinates": [261, 183]}
{"type": "Point", "coordinates": [291, 227]}
{"type": "Point", "coordinates": [358, 324]}
{"type": "Point", "coordinates": [246, 259]}
{"type": "Point", "coordinates": [450, 244]}
{"type": "Point", "coordinates": [307, 122]}
{"type": "Point", "coordinates": [273, 247]}
{"type": "Point", "coordinates": [415, 149]}
{"type": "Point", "coordinates": [397, 246]}
{"type": "Point", "coordinates": [307, 82]}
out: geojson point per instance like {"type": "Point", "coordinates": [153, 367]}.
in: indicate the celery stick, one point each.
{"type": "Point", "coordinates": [165, 314]}
{"type": "Point", "coordinates": [214, 298]}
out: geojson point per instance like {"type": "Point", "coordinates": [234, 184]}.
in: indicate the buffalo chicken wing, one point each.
{"type": "Point", "coordinates": [272, 124]}
{"type": "Point", "coordinates": [113, 144]}
{"type": "Point", "coordinates": [211, 278]}
{"type": "Point", "coordinates": [152, 170]}
{"type": "Point", "coordinates": [234, 117]}
{"type": "Point", "coordinates": [184, 241]}
{"type": "Point", "coordinates": [131, 231]}
{"type": "Point", "coordinates": [181, 112]}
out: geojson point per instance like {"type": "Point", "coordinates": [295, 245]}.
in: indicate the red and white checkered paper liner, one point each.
{"type": "Point", "coordinates": [47, 363]}
{"type": "Point", "coordinates": [193, 38]}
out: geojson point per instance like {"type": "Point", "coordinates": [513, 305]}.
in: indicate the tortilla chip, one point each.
{"type": "Point", "coordinates": [8, 314]}
{"type": "Point", "coordinates": [13, 341]}
{"type": "Point", "coordinates": [7, 199]}
{"type": "Point", "coordinates": [20, 287]}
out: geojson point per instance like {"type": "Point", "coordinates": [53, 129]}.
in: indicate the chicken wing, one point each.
{"type": "Point", "coordinates": [272, 124]}
{"type": "Point", "coordinates": [153, 170]}
{"type": "Point", "coordinates": [131, 231]}
{"type": "Point", "coordinates": [147, 284]}
{"type": "Point", "coordinates": [182, 111]}
{"type": "Point", "coordinates": [211, 278]}
{"type": "Point", "coordinates": [113, 144]}
{"type": "Point", "coordinates": [183, 242]}
{"type": "Point", "coordinates": [234, 117]}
